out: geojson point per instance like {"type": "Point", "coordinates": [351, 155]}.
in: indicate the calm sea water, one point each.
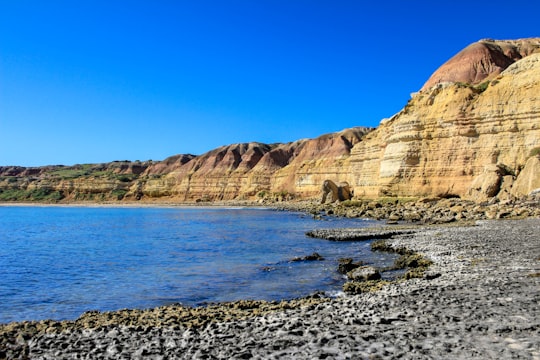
{"type": "Point", "coordinates": [57, 262]}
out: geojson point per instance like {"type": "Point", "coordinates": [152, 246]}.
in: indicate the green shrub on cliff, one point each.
{"type": "Point", "coordinates": [126, 177]}
{"type": "Point", "coordinates": [68, 174]}
{"type": "Point", "coordinates": [482, 87]}
{"type": "Point", "coordinates": [479, 88]}
{"type": "Point", "coordinates": [118, 194]}
{"type": "Point", "coordinates": [12, 195]}
{"type": "Point", "coordinates": [41, 195]}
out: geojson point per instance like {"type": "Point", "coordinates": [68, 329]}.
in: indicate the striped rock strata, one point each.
{"type": "Point", "coordinates": [255, 170]}
{"type": "Point", "coordinates": [472, 131]}
{"type": "Point", "coordinates": [457, 139]}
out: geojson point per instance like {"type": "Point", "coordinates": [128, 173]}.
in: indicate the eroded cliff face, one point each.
{"type": "Point", "coordinates": [313, 161]}
{"type": "Point", "coordinates": [472, 131]}
{"type": "Point", "coordinates": [451, 134]}
{"type": "Point", "coordinates": [93, 182]}
{"type": "Point", "coordinates": [255, 170]}
{"type": "Point", "coordinates": [248, 171]}
{"type": "Point", "coordinates": [482, 61]}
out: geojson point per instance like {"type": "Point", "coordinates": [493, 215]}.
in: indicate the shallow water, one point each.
{"type": "Point", "coordinates": [57, 262]}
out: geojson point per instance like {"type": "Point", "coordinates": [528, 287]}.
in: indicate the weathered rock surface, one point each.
{"type": "Point", "coordinates": [482, 61]}
{"type": "Point", "coordinates": [422, 211]}
{"type": "Point", "coordinates": [356, 234]}
{"type": "Point", "coordinates": [364, 273]}
{"type": "Point", "coordinates": [313, 257]}
{"type": "Point", "coordinates": [448, 133]}
{"type": "Point", "coordinates": [256, 170]}
{"type": "Point", "coordinates": [346, 264]}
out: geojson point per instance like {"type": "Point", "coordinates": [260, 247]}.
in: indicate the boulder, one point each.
{"type": "Point", "coordinates": [364, 273]}
{"type": "Point", "coordinates": [394, 217]}
{"type": "Point", "coordinates": [528, 179]}
{"type": "Point", "coordinates": [345, 265]}
{"type": "Point", "coordinates": [535, 194]}
{"type": "Point", "coordinates": [505, 193]}
{"type": "Point", "coordinates": [486, 185]}
{"type": "Point", "coordinates": [313, 257]}
{"type": "Point", "coordinates": [412, 215]}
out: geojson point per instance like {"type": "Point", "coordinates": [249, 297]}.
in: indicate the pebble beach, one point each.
{"type": "Point", "coordinates": [481, 301]}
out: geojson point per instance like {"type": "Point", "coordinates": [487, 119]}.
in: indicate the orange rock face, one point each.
{"type": "Point", "coordinates": [253, 170]}
{"type": "Point", "coordinates": [453, 138]}
{"type": "Point", "coordinates": [450, 134]}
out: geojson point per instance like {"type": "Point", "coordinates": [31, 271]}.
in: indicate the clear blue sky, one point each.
{"type": "Point", "coordinates": [97, 81]}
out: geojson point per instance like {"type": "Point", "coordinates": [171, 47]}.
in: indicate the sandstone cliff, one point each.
{"type": "Point", "coordinates": [237, 171]}
{"type": "Point", "coordinates": [254, 170]}
{"type": "Point", "coordinates": [452, 133]}
{"type": "Point", "coordinates": [472, 131]}
{"type": "Point", "coordinates": [94, 182]}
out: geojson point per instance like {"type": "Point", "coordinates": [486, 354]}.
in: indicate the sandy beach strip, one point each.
{"type": "Point", "coordinates": [141, 205]}
{"type": "Point", "coordinates": [482, 301]}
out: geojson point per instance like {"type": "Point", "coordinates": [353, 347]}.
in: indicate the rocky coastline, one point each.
{"type": "Point", "coordinates": [470, 251]}
{"type": "Point", "coordinates": [429, 210]}
{"type": "Point", "coordinates": [480, 299]}
{"type": "Point", "coordinates": [394, 210]}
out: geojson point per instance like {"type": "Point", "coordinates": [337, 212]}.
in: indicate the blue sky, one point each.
{"type": "Point", "coordinates": [97, 81]}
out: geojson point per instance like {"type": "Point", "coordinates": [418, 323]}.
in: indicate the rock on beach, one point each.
{"type": "Point", "coordinates": [364, 273]}
{"type": "Point", "coordinates": [484, 305]}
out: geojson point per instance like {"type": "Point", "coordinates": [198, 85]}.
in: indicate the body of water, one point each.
{"type": "Point", "coordinates": [57, 262]}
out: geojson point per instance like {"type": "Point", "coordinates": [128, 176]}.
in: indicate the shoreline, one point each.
{"type": "Point", "coordinates": [483, 304]}
{"type": "Point", "coordinates": [135, 205]}
{"type": "Point", "coordinates": [429, 210]}
{"type": "Point", "coordinates": [394, 211]}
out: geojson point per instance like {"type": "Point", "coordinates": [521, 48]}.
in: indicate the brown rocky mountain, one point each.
{"type": "Point", "coordinates": [482, 61]}
{"type": "Point", "coordinates": [254, 170]}
{"type": "Point", "coordinates": [472, 131]}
